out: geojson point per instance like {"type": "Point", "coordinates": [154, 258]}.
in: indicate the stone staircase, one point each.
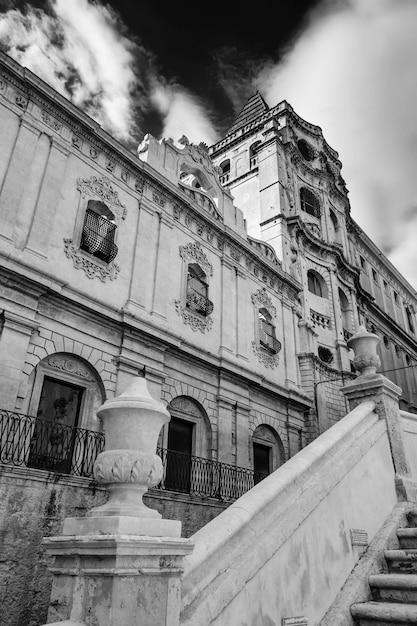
{"type": "Point", "coordinates": [394, 592]}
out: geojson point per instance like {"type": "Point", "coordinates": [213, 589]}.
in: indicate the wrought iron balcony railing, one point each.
{"type": "Point", "coordinates": [267, 340]}
{"type": "Point", "coordinates": [32, 442]}
{"type": "Point", "coordinates": [98, 237]}
{"type": "Point", "coordinates": [198, 302]}
{"type": "Point", "coordinates": [203, 477]}
{"type": "Point", "coordinates": [39, 444]}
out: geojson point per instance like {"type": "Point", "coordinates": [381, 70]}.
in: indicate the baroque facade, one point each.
{"type": "Point", "coordinates": [231, 277]}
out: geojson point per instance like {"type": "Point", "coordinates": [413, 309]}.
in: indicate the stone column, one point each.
{"type": "Point", "coordinates": [122, 563]}
{"type": "Point", "coordinates": [372, 386]}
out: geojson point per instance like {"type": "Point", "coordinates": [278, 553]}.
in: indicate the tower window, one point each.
{"type": "Point", "coordinates": [316, 284]}
{"type": "Point", "coordinates": [309, 202]}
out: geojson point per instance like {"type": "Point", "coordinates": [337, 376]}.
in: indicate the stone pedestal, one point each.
{"type": "Point", "coordinates": [372, 386]}
{"type": "Point", "coordinates": [116, 580]}
{"type": "Point", "coordinates": [121, 565]}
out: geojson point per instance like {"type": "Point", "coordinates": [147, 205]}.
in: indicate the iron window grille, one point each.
{"type": "Point", "coordinates": [309, 202]}
{"type": "Point", "coordinates": [196, 297]}
{"type": "Point", "coordinates": [98, 236]}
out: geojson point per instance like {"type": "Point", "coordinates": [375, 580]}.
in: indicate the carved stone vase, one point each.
{"type": "Point", "coordinates": [364, 345]}
{"type": "Point", "coordinates": [129, 464]}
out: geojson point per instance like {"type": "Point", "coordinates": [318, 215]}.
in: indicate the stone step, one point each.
{"type": "Point", "coordinates": [394, 587]}
{"type": "Point", "coordinates": [384, 613]}
{"type": "Point", "coordinates": [407, 537]}
{"type": "Point", "coordinates": [401, 561]}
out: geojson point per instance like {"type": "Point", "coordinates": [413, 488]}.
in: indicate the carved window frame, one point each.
{"type": "Point", "coordinates": [98, 188]}
{"type": "Point", "coordinates": [67, 368]}
{"type": "Point", "coordinates": [193, 254]}
{"type": "Point", "coordinates": [262, 300]}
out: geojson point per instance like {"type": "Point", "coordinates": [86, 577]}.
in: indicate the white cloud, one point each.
{"type": "Point", "coordinates": [353, 72]}
{"type": "Point", "coordinates": [183, 115]}
{"type": "Point", "coordinates": [79, 50]}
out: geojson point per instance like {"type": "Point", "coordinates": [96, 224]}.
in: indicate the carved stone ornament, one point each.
{"type": "Point", "coordinates": [269, 360]}
{"type": "Point", "coordinates": [72, 366]}
{"type": "Point", "coordinates": [50, 121]}
{"type": "Point", "coordinates": [194, 252]}
{"type": "Point", "coordinates": [261, 298]}
{"type": "Point", "coordinates": [101, 186]}
{"type": "Point", "coordinates": [21, 101]}
{"type": "Point", "coordinates": [128, 466]}
{"type": "Point", "coordinates": [185, 405]}
{"type": "Point", "coordinates": [92, 269]}
{"type": "Point", "coordinates": [195, 321]}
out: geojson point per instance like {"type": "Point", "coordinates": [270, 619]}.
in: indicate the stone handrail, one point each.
{"type": "Point", "coordinates": [235, 547]}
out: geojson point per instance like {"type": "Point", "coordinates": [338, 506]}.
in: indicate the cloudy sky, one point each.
{"type": "Point", "coordinates": [349, 66]}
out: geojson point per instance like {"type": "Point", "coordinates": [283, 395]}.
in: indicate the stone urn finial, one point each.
{"type": "Point", "coordinates": [129, 464]}
{"type": "Point", "coordinates": [364, 345]}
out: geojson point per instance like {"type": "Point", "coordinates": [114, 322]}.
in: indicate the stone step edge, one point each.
{"type": "Point", "coordinates": [393, 581]}
{"type": "Point", "coordinates": [387, 611]}
{"type": "Point", "coordinates": [405, 554]}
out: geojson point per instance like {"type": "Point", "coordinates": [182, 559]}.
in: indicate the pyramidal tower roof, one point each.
{"type": "Point", "coordinates": [253, 108]}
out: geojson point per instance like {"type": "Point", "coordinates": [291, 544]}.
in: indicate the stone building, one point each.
{"type": "Point", "coordinates": [230, 277]}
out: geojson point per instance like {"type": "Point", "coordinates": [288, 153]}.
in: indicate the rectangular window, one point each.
{"type": "Point", "coordinates": [375, 276]}
{"type": "Point", "coordinates": [363, 262]}
{"type": "Point", "coordinates": [396, 298]}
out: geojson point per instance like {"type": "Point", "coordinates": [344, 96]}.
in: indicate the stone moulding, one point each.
{"type": "Point", "coordinates": [69, 365]}
{"type": "Point", "coordinates": [101, 186]}
{"type": "Point", "coordinates": [92, 269]}
{"type": "Point", "coordinates": [269, 360]}
{"type": "Point", "coordinates": [196, 322]}
{"type": "Point", "coordinates": [262, 298]}
{"type": "Point", "coordinates": [195, 252]}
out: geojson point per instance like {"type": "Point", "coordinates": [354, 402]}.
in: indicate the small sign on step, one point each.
{"type": "Point", "coordinates": [294, 621]}
{"type": "Point", "coordinates": [358, 537]}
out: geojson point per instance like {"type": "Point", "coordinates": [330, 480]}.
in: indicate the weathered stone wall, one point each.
{"type": "Point", "coordinates": [34, 505]}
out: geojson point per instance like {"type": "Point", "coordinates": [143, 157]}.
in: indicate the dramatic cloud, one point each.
{"type": "Point", "coordinates": [82, 49]}
{"type": "Point", "coordinates": [79, 49]}
{"type": "Point", "coordinates": [352, 71]}
{"type": "Point", "coordinates": [183, 114]}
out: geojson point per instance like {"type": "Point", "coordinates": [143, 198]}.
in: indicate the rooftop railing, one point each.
{"type": "Point", "coordinates": [36, 443]}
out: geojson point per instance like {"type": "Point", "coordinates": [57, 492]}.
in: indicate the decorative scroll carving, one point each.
{"type": "Point", "coordinates": [69, 365]}
{"type": "Point", "coordinates": [194, 252]}
{"type": "Point", "coordinates": [128, 466]}
{"type": "Point", "coordinates": [261, 297]}
{"type": "Point", "coordinates": [102, 187]}
{"type": "Point", "coordinates": [91, 268]}
{"type": "Point", "coordinates": [50, 121]}
{"type": "Point", "coordinates": [185, 405]}
{"type": "Point", "coordinates": [21, 101]}
{"type": "Point", "coordinates": [269, 360]}
{"type": "Point", "coordinates": [196, 322]}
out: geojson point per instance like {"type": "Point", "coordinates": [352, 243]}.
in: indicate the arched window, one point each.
{"type": "Point", "coordinates": [197, 291]}
{"type": "Point", "coordinates": [410, 321]}
{"type": "Point", "coordinates": [316, 284]}
{"type": "Point", "coordinates": [253, 157]}
{"type": "Point", "coordinates": [346, 311]}
{"type": "Point", "coordinates": [65, 393]}
{"type": "Point", "coordinates": [305, 149]}
{"type": "Point", "coordinates": [99, 231]}
{"type": "Point", "coordinates": [267, 338]}
{"type": "Point", "coordinates": [268, 452]}
{"type": "Point", "coordinates": [186, 437]}
{"type": "Point", "coordinates": [309, 202]}
{"type": "Point", "coordinates": [225, 166]}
